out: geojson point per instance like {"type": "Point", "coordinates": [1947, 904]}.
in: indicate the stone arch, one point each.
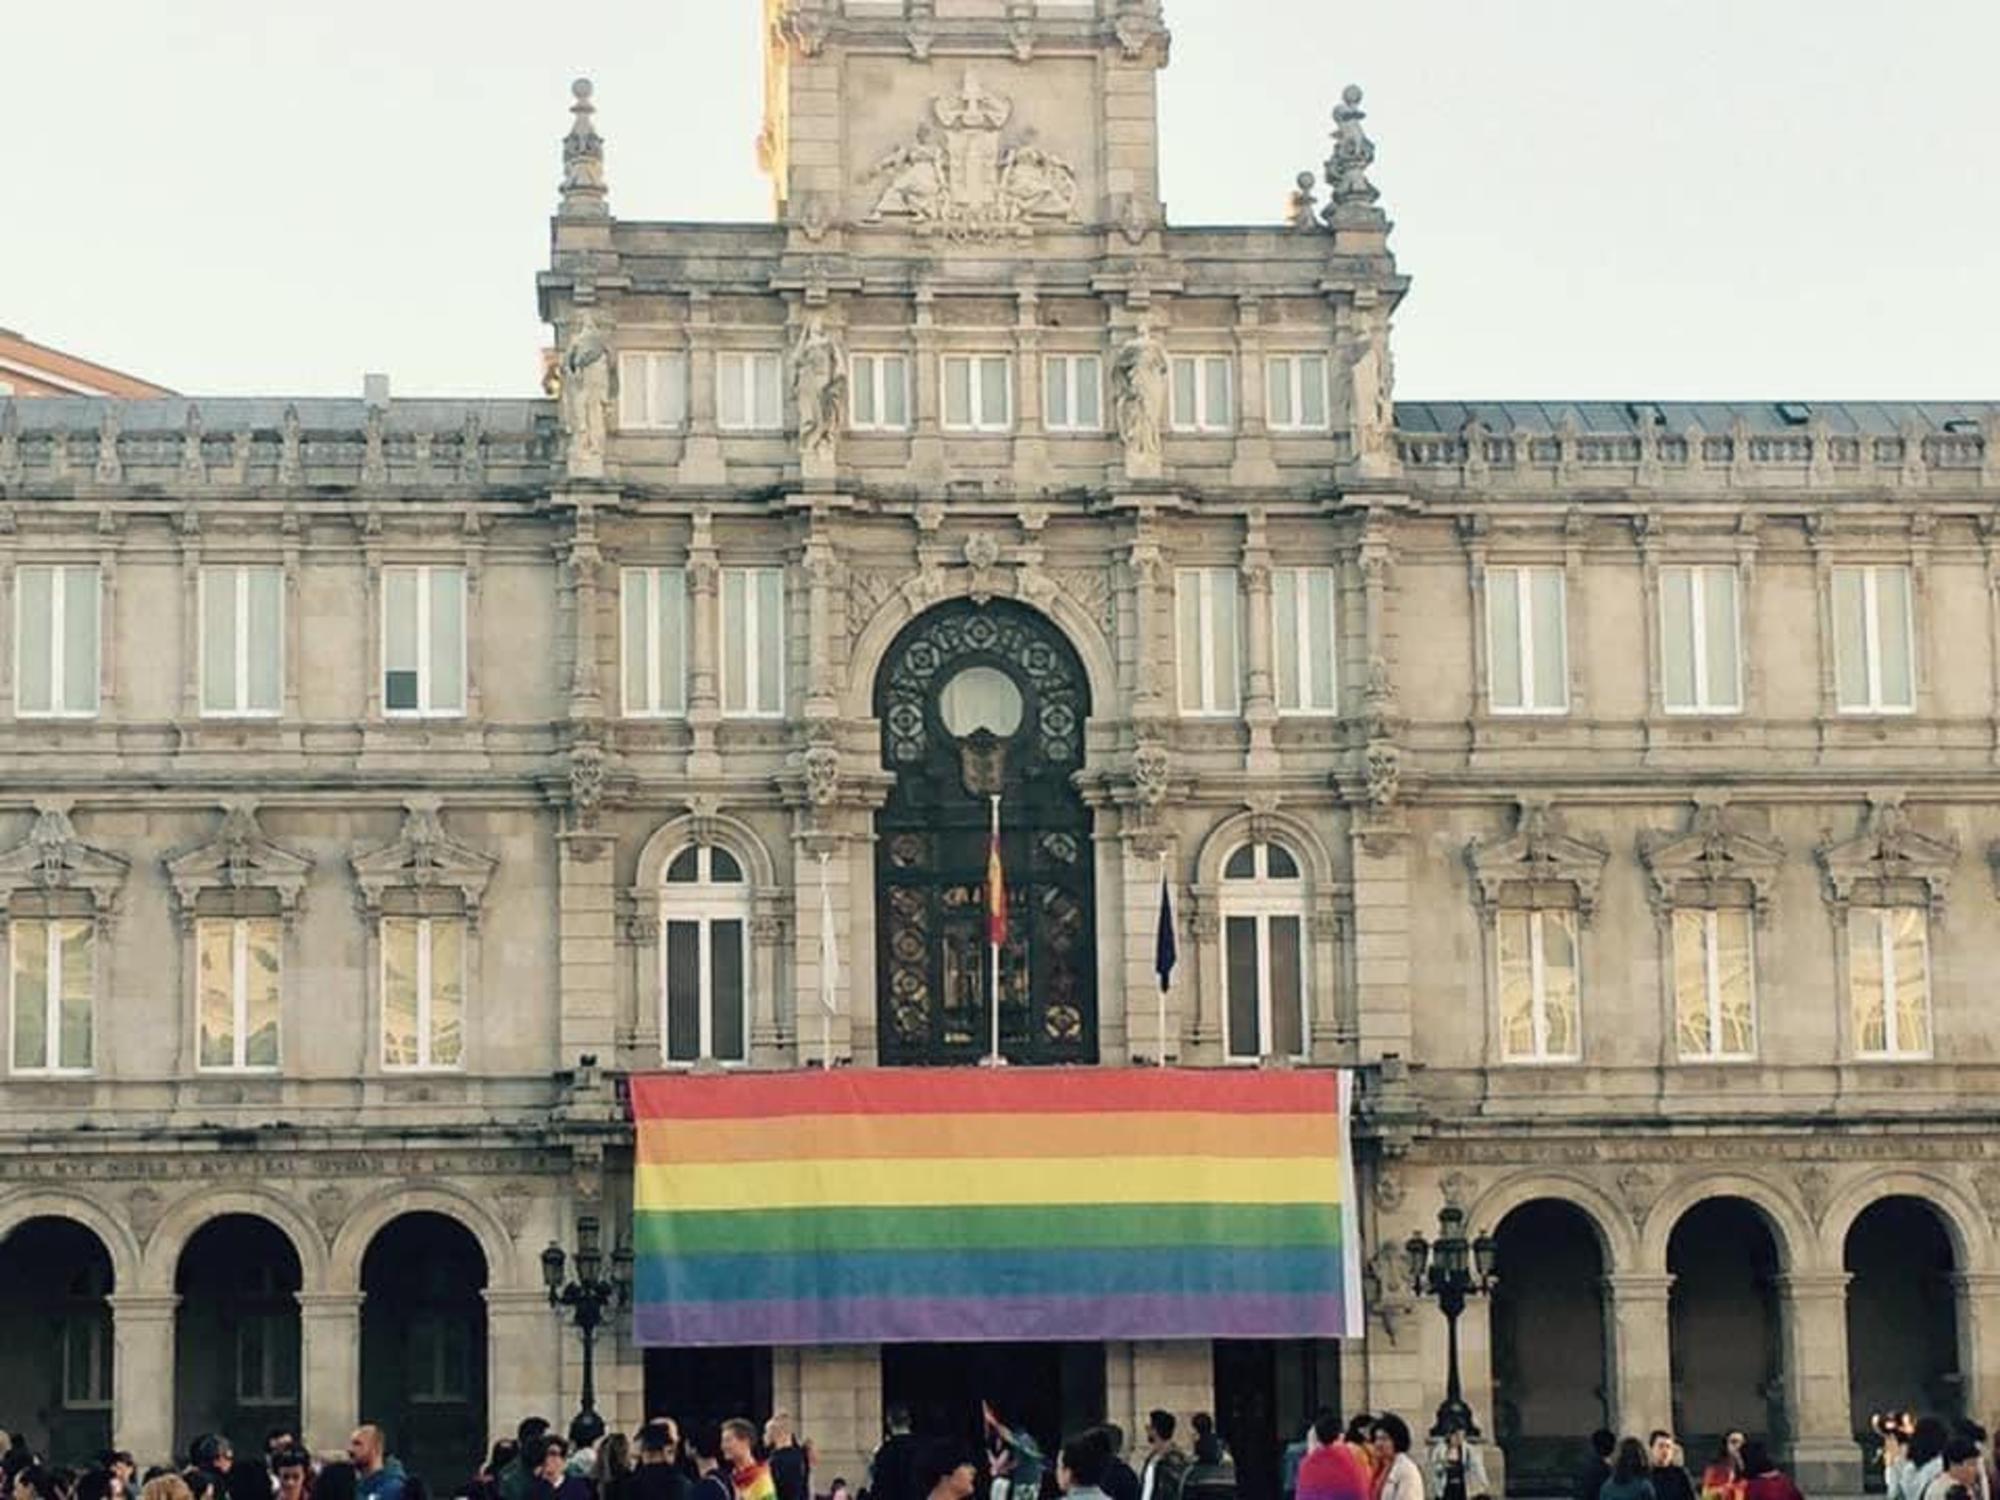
{"type": "Point", "coordinates": [1791, 1230]}
{"type": "Point", "coordinates": [674, 835]}
{"type": "Point", "coordinates": [875, 640]}
{"type": "Point", "coordinates": [114, 1235]}
{"type": "Point", "coordinates": [186, 1217]}
{"type": "Point", "coordinates": [1960, 1218]}
{"type": "Point", "coordinates": [382, 1208]}
{"type": "Point", "coordinates": [1615, 1237]}
{"type": "Point", "coordinates": [1277, 826]}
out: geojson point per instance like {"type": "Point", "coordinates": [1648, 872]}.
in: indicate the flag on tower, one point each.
{"type": "Point", "coordinates": [1165, 952]}
{"type": "Point", "coordinates": [996, 887]}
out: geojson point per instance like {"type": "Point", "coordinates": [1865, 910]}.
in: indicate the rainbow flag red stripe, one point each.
{"type": "Point", "coordinates": [912, 1205]}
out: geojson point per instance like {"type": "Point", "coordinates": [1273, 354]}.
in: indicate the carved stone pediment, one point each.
{"type": "Point", "coordinates": [1537, 853]}
{"type": "Point", "coordinates": [1704, 865]}
{"type": "Point", "coordinates": [424, 857]}
{"type": "Point", "coordinates": [239, 858]}
{"type": "Point", "coordinates": [53, 858]}
{"type": "Point", "coordinates": [1889, 854]}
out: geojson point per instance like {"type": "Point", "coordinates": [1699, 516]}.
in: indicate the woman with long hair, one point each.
{"type": "Point", "coordinates": [1763, 1479]}
{"type": "Point", "coordinates": [1628, 1479]}
{"type": "Point", "coordinates": [1722, 1478]}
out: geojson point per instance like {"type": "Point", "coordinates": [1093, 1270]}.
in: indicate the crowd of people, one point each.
{"type": "Point", "coordinates": [213, 1470]}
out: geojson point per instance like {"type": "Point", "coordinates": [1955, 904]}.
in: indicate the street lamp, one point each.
{"type": "Point", "coordinates": [1451, 1269]}
{"type": "Point", "coordinates": [587, 1297]}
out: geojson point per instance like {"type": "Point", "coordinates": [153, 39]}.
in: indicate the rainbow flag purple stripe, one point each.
{"type": "Point", "coordinates": [907, 1205]}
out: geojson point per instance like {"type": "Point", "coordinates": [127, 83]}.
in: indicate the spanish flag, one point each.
{"type": "Point", "coordinates": [996, 887]}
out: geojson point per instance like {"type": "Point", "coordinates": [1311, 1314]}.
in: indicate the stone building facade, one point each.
{"type": "Point", "coordinates": [1612, 784]}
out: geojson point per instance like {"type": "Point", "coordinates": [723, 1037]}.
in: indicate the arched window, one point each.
{"type": "Point", "coordinates": [1264, 952]}
{"type": "Point", "coordinates": [704, 956]}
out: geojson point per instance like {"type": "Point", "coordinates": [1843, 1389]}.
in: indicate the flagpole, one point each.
{"type": "Point", "coordinates": [826, 966]}
{"type": "Point", "coordinates": [1165, 981]}
{"type": "Point", "coordinates": [993, 949]}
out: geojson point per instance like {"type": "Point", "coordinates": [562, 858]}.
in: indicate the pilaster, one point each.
{"type": "Point", "coordinates": [329, 1368]}
{"type": "Point", "coordinates": [142, 1378]}
{"type": "Point", "coordinates": [1813, 1315]}
{"type": "Point", "coordinates": [1635, 1318]}
{"type": "Point", "coordinates": [521, 1354]}
{"type": "Point", "coordinates": [586, 946]}
{"type": "Point", "coordinates": [1978, 1297]}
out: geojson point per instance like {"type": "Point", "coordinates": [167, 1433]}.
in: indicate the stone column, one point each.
{"type": "Point", "coordinates": [329, 1368]}
{"type": "Point", "coordinates": [142, 1372]}
{"type": "Point", "coordinates": [701, 454]}
{"type": "Point", "coordinates": [586, 947]}
{"type": "Point", "coordinates": [1635, 1321]}
{"type": "Point", "coordinates": [522, 1357]}
{"type": "Point", "coordinates": [1813, 1317]}
{"type": "Point", "coordinates": [835, 1397]}
{"type": "Point", "coordinates": [1382, 959]}
{"type": "Point", "coordinates": [1177, 1376]}
{"type": "Point", "coordinates": [1978, 1298]}
{"type": "Point", "coordinates": [704, 583]}
{"type": "Point", "coordinates": [1260, 703]}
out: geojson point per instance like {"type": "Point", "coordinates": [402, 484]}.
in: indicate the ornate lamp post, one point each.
{"type": "Point", "coordinates": [1451, 1269]}
{"type": "Point", "coordinates": [587, 1297]}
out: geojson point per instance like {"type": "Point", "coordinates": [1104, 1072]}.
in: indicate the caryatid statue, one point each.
{"type": "Point", "coordinates": [819, 387]}
{"type": "Point", "coordinates": [586, 398]}
{"type": "Point", "coordinates": [1139, 396]}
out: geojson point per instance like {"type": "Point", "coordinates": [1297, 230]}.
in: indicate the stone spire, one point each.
{"type": "Point", "coordinates": [583, 191]}
{"type": "Point", "coordinates": [1352, 204]}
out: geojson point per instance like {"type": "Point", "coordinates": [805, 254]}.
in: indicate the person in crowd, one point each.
{"type": "Point", "coordinates": [658, 1476]}
{"type": "Point", "coordinates": [1080, 1465]}
{"type": "Point", "coordinates": [1722, 1478]}
{"type": "Point", "coordinates": [711, 1482]}
{"type": "Point", "coordinates": [248, 1479]}
{"type": "Point", "coordinates": [838, 1490]}
{"type": "Point", "coordinates": [206, 1483]}
{"type": "Point", "coordinates": [1401, 1479]}
{"type": "Point", "coordinates": [548, 1460]}
{"type": "Point", "coordinates": [892, 1471]}
{"type": "Point", "coordinates": [1119, 1482]}
{"type": "Point", "coordinates": [1018, 1464]}
{"type": "Point", "coordinates": [377, 1475]}
{"type": "Point", "coordinates": [34, 1483]}
{"type": "Point", "coordinates": [1295, 1455]}
{"type": "Point", "coordinates": [1894, 1430]}
{"type": "Point", "coordinates": [750, 1479]}
{"type": "Point", "coordinates": [791, 1464]}
{"type": "Point", "coordinates": [1212, 1474]}
{"type": "Point", "coordinates": [1595, 1469]}
{"type": "Point", "coordinates": [1966, 1428]}
{"type": "Point", "coordinates": [1629, 1479]}
{"type": "Point", "coordinates": [278, 1440]}
{"type": "Point", "coordinates": [1928, 1435]}
{"type": "Point", "coordinates": [336, 1481]}
{"type": "Point", "coordinates": [1165, 1466]}
{"type": "Point", "coordinates": [617, 1469]}
{"type": "Point", "coordinates": [941, 1471]}
{"type": "Point", "coordinates": [1763, 1479]}
{"type": "Point", "coordinates": [586, 1432]}
{"type": "Point", "coordinates": [1335, 1469]}
{"type": "Point", "coordinates": [294, 1474]}
{"type": "Point", "coordinates": [167, 1486]}
{"type": "Point", "coordinates": [1958, 1467]}
{"type": "Point", "coordinates": [1670, 1476]}
{"type": "Point", "coordinates": [485, 1485]}
{"type": "Point", "coordinates": [1458, 1471]}
{"type": "Point", "coordinates": [517, 1475]}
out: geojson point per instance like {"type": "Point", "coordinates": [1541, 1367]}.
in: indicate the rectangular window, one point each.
{"type": "Point", "coordinates": [1699, 635]}
{"type": "Point", "coordinates": [880, 385]}
{"type": "Point", "coordinates": [423, 992]}
{"type": "Point", "coordinates": [746, 393]}
{"type": "Point", "coordinates": [1889, 981]}
{"type": "Point", "coordinates": [236, 987]}
{"type": "Point", "coordinates": [753, 642]}
{"type": "Point", "coordinates": [423, 642]}
{"type": "Point", "coordinates": [1527, 653]}
{"type": "Point", "coordinates": [652, 391]}
{"type": "Point", "coordinates": [1295, 393]}
{"type": "Point", "coordinates": [1073, 393]}
{"type": "Point", "coordinates": [978, 393]}
{"type": "Point", "coordinates": [1538, 985]}
{"type": "Point", "coordinates": [1874, 664]}
{"type": "Point", "coordinates": [1714, 984]}
{"type": "Point", "coordinates": [1205, 606]}
{"type": "Point", "coordinates": [55, 642]}
{"type": "Point", "coordinates": [707, 962]}
{"type": "Point", "coordinates": [657, 626]}
{"type": "Point", "coordinates": [242, 641]}
{"type": "Point", "coordinates": [1265, 961]}
{"type": "Point", "coordinates": [1302, 624]}
{"type": "Point", "coordinates": [52, 968]}
{"type": "Point", "coordinates": [1204, 395]}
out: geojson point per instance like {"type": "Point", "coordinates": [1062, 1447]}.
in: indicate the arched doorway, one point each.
{"type": "Point", "coordinates": [423, 1342]}
{"type": "Point", "coordinates": [977, 700]}
{"type": "Point", "coordinates": [236, 1334]}
{"type": "Point", "coordinates": [1902, 1313]}
{"type": "Point", "coordinates": [1548, 1341]}
{"type": "Point", "coordinates": [55, 1361]}
{"type": "Point", "coordinates": [1724, 1326]}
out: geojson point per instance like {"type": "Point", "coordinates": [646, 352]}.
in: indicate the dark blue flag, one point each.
{"type": "Point", "coordinates": [1164, 950]}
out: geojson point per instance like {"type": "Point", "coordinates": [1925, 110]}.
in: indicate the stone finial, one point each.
{"type": "Point", "coordinates": [1353, 195]}
{"type": "Point", "coordinates": [109, 468]}
{"type": "Point", "coordinates": [583, 190]}
{"type": "Point", "coordinates": [1301, 209]}
{"type": "Point", "coordinates": [194, 467]}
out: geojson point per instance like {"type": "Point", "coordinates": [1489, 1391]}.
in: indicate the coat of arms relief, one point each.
{"type": "Point", "coordinates": [958, 178]}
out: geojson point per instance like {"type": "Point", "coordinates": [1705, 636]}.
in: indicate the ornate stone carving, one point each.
{"type": "Point", "coordinates": [424, 857]}
{"type": "Point", "coordinates": [1815, 1185]}
{"type": "Point", "coordinates": [584, 398]}
{"type": "Point", "coordinates": [291, 448]}
{"type": "Point", "coordinates": [819, 388]}
{"type": "Point", "coordinates": [109, 469]}
{"type": "Point", "coordinates": [583, 188]}
{"type": "Point", "coordinates": [1638, 1191]}
{"type": "Point", "coordinates": [1538, 853]}
{"type": "Point", "coordinates": [1986, 1188]}
{"type": "Point", "coordinates": [1139, 398]}
{"type": "Point", "coordinates": [822, 763]}
{"type": "Point", "coordinates": [374, 458]}
{"type": "Point", "coordinates": [982, 556]}
{"type": "Point", "coordinates": [1371, 397]}
{"type": "Point", "coordinates": [1089, 589]}
{"type": "Point", "coordinates": [53, 858]}
{"type": "Point", "coordinates": [1302, 204]}
{"type": "Point", "coordinates": [1388, 1191]}
{"type": "Point", "coordinates": [868, 591]}
{"type": "Point", "coordinates": [586, 783]}
{"type": "Point", "coordinates": [956, 178]}
{"type": "Point", "coordinates": [1387, 1286]}
{"type": "Point", "coordinates": [238, 858]}
{"type": "Point", "coordinates": [1697, 868]}
{"type": "Point", "coordinates": [194, 467]}
{"type": "Point", "coordinates": [472, 451]}
{"type": "Point", "coordinates": [143, 1208]}
{"type": "Point", "coordinates": [1383, 766]}
{"type": "Point", "coordinates": [329, 1209]}
{"type": "Point", "coordinates": [1347, 168]}
{"type": "Point", "coordinates": [1458, 1189]}
{"type": "Point", "coordinates": [805, 27]}
{"type": "Point", "coordinates": [1134, 222]}
{"type": "Point", "coordinates": [510, 1204]}
{"type": "Point", "coordinates": [1887, 852]}
{"type": "Point", "coordinates": [1151, 765]}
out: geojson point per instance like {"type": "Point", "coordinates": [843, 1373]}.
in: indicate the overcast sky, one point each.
{"type": "Point", "coordinates": [1787, 199]}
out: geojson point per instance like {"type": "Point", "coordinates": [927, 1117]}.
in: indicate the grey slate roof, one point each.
{"type": "Point", "coordinates": [1717, 418]}
{"type": "Point", "coordinates": [224, 414]}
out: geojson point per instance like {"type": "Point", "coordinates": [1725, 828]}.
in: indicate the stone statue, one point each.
{"type": "Point", "coordinates": [1371, 378]}
{"type": "Point", "coordinates": [917, 179]}
{"type": "Point", "coordinates": [1353, 154]}
{"type": "Point", "coordinates": [1036, 185]}
{"type": "Point", "coordinates": [819, 387]}
{"type": "Point", "coordinates": [586, 398]}
{"type": "Point", "coordinates": [1139, 395]}
{"type": "Point", "coordinates": [1300, 210]}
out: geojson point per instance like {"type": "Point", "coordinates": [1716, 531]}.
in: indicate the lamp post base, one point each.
{"type": "Point", "coordinates": [1453, 1415]}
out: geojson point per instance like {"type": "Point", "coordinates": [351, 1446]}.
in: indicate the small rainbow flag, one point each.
{"type": "Point", "coordinates": [947, 1204]}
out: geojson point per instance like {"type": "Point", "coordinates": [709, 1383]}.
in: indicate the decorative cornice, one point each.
{"type": "Point", "coordinates": [53, 858]}
{"type": "Point", "coordinates": [1538, 852]}
{"type": "Point", "coordinates": [1889, 849]}
{"type": "Point", "coordinates": [1710, 855]}
{"type": "Point", "coordinates": [424, 857]}
{"type": "Point", "coordinates": [239, 858]}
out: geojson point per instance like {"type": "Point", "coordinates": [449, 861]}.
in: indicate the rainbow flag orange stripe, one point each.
{"type": "Point", "coordinates": [872, 1206]}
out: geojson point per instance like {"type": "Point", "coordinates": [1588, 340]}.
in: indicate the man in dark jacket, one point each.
{"type": "Point", "coordinates": [892, 1472]}
{"type": "Point", "coordinates": [1597, 1468]}
{"type": "Point", "coordinates": [791, 1469]}
{"type": "Point", "coordinates": [1669, 1474]}
{"type": "Point", "coordinates": [1119, 1482]}
{"type": "Point", "coordinates": [658, 1476]}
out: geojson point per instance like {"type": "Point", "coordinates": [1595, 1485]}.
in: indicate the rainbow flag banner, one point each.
{"type": "Point", "coordinates": [948, 1204]}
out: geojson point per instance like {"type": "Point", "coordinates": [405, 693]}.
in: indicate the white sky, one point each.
{"type": "Point", "coordinates": [1787, 199]}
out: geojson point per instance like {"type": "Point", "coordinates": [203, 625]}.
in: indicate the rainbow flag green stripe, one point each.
{"type": "Point", "coordinates": [899, 1205]}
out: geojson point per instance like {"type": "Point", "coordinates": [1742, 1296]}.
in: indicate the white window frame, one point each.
{"type": "Point", "coordinates": [1706, 703]}
{"type": "Point", "coordinates": [91, 1312]}
{"type": "Point", "coordinates": [1711, 964]}
{"type": "Point", "coordinates": [59, 573]}
{"type": "Point", "coordinates": [1538, 985]}
{"type": "Point", "coordinates": [1205, 581]}
{"type": "Point", "coordinates": [746, 363]}
{"type": "Point", "coordinates": [425, 709]}
{"type": "Point", "coordinates": [1520, 575]}
{"type": "Point", "coordinates": [752, 647]}
{"type": "Point", "coordinates": [1075, 371]}
{"type": "Point", "coordinates": [871, 371]}
{"type": "Point", "coordinates": [1262, 897]}
{"type": "Point", "coordinates": [657, 705]}
{"type": "Point", "coordinates": [51, 1065]}
{"type": "Point", "coordinates": [239, 578]}
{"type": "Point", "coordinates": [239, 997]}
{"type": "Point", "coordinates": [1290, 371]}
{"type": "Point", "coordinates": [1304, 632]}
{"type": "Point", "coordinates": [975, 386]}
{"type": "Point", "coordinates": [1871, 624]}
{"type": "Point", "coordinates": [1201, 419]}
{"type": "Point", "coordinates": [643, 386]}
{"type": "Point", "coordinates": [703, 902]}
{"type": "Point", "coordinates": [1891, 1051]}
{"type": "Point", "coordinates": [424, 977]}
